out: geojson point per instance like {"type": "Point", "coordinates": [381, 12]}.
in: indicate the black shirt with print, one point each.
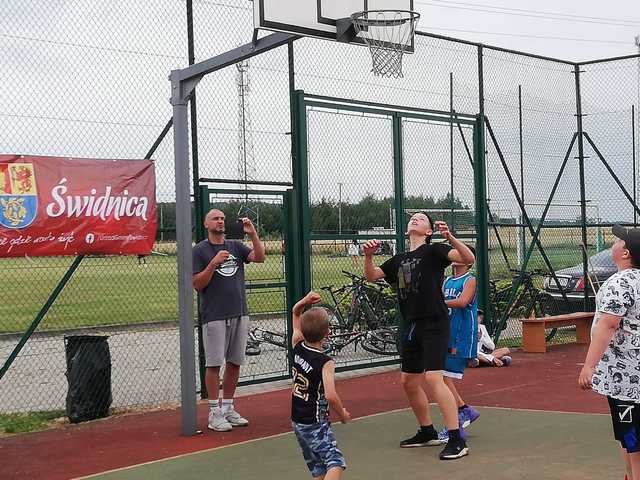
{"type": "Point", "coordinates": [308, 403]}
{"type": "Point", "coordinates": [417, 277]}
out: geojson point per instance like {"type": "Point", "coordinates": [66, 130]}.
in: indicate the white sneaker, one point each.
{"type": "Point", "coordinates": [235, 419]}
{"type": "Point", "coordinates": [218, 422]}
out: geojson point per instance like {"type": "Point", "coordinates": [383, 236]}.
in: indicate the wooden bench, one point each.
{"type": "Point", "coordinates": [533, 336]}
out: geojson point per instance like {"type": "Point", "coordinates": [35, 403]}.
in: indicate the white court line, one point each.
{"type": "Point", "coordinates": [277, 435]}
{"type": "Point", "coordinates": [253, 440]}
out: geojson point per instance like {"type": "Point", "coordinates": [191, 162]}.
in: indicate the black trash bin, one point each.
{"type": "Point", "coordinates": [88, 377]}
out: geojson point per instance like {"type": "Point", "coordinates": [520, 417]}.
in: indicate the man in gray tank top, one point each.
{"type": "Point", "coordinates": [218, 274]}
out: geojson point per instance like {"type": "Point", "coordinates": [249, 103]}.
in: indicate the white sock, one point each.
{"type": "Point", "coordinates": [213, 404]}
{"type": "Point", "coordinates": [227, 404]}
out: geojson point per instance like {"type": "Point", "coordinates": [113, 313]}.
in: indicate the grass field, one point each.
{"type": "Point", "coordinates": [28, 422]}
{"type": "Point", "coordinates": [124, 291]}
{"type": "Point", "coordinates": [120, 290]}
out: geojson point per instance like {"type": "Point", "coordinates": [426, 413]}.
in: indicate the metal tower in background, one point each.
{"type": "Point", "coordinates": [246, 158]}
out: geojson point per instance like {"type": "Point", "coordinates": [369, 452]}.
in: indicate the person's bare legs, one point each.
{"type": "Point", "coordinates": [485, 361]}
{"type": "Point", "coordinates": [412, 383]}
{"type": "Point", "coordinates": [334, 473]}
{"type": "Point", "coordinates": [451, 384]}
{"type": "Point", "coordinates": [498, 355]}
{"type": "Point", "coordinates": [444, 398]}
{"type": "Point", "coordinates": [212, 381]}
{"type": "Point", "coordinates": [627, 463]}
{"type": "Point", "coordinates": [634, 461]}
{"type": "Point", "coordinates": [229, 380]}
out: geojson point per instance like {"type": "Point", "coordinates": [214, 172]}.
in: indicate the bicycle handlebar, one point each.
{"type": "Point", "coordinates": [382, 283]}
{"type": "Point", "coordinates": [352, 275]}
{"type": "Point", "coordinates": [535, 271]}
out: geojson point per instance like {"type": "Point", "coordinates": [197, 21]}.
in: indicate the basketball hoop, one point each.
{"type": "Point", "coordinates": [388, 33]}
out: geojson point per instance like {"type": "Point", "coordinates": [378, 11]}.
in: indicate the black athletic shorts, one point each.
{"type": "Point", "coordinates": [424, 345]}
{"type": "Point", "coordinates": [626, 423]}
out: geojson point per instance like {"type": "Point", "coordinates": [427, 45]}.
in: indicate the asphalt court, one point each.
{"type": "Point", "coordinates": [504, 444]}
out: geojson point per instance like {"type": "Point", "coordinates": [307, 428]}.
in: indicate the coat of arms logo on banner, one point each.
{"type": "Point", "coordinates": [18, 195]}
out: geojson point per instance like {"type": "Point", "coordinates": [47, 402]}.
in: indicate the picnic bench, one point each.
{"type": "Point", "coordinates": [533, 336]}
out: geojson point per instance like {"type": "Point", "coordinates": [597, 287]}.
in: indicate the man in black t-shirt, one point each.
{"type": "Point", "coordinates": [417, 276]}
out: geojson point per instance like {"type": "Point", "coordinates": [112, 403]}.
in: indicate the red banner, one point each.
{"type": "Point", "coordinates": [61, 206]}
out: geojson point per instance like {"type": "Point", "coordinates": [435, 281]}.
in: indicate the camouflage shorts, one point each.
{"type": "Point", "coordinates": [319, 447]}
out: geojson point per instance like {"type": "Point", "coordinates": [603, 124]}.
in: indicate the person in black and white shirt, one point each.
{"type": "Point", "coordinates": [612, 365]}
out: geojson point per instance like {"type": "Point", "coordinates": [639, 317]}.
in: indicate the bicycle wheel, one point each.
{"type": "Point", "coordinates": [253, 345]}
{"type": "Point", "coordinates": [278, 339]}
{"type": "Point", "coordinates": [380, 342]}
{"type": "Point", "coordinates": [336, 322]}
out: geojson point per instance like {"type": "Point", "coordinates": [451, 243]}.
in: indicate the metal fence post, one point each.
{"type": "Point", "coordinates": [301, 187]}
{"type": "Point", "coordinates": [398, 179]}
{"type": "Point", "coordinates": [185, 267]}
{"type": "Point", "coordinates": [520, 242]}
{"type": "Point", "coordinates": [480, 187]}
{"type": "Point", "coordinates": [583, 195]}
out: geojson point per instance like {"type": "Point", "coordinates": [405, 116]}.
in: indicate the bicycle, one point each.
{"type": "Point", "coordinates": [361, 313]}
{"type": "Point", "coordinates": [529, 301]}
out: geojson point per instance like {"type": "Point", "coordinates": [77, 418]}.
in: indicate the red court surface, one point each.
{"type": "Point", "coordinates": [534, 381]}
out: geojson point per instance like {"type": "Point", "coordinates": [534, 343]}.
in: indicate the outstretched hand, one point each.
{"type": "Point", "coordinates": [311, 298]}
{"type": "Point", "coordinates": [443, 228]}
{"type": "Point", "coordinates": [370, 247]}
{"type": "Point", "coordinates": [248, 227]}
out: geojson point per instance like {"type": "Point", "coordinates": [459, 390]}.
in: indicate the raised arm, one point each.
{"type": "Point", "coordinates": [466, 297]}
{"type": "Point", "coordinates": [371, 272]}
{"type": "Point", "coordinates": [257, 255]}
{"type": "Point", "coordinates": [460, 253]}
{"type": "Point", "coordinates": [309, 299]}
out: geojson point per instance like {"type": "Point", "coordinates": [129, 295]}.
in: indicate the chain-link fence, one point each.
{"type": "Point", "coordinates": [89, 79]}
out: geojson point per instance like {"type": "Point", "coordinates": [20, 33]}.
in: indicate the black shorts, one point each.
{"type": "Point", "coordinates": [625, 416]}
{"type": "Point", "coordinates": [424, 345]}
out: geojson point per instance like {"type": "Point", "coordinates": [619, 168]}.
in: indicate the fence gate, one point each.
{"type": "Point", "coordinates": [350, 160]}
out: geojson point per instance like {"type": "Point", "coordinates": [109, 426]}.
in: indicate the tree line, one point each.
{"type": "Point", "coordinates": [327, 215]}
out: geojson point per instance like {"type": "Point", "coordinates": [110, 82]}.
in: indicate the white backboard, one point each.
{"type": "Point", "coordinates": [317, 18]}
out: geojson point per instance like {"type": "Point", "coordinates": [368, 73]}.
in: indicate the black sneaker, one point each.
{"type": "Point", "coordinates": [423, 439]}
{"type": "Point", "coordinates": [454, 450]}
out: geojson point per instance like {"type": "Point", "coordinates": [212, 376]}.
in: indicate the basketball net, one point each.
{"type": "Point", "coordinates": [388, 33]}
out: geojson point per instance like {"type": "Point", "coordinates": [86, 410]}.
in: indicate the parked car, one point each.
{"type": "Point", "coordinates": [573, 283]}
